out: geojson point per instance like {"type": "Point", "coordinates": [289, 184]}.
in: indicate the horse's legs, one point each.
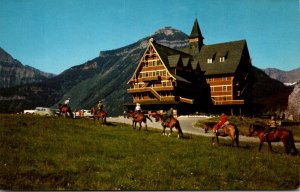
{"type": "Point", "coordinates": [140, 123]}
{"type": "Point", "coordinates": [164, 130]}
{"type": "Point", "coordinates": [287, 146]}
{"type": "Point", "coordinates": [270, 146]}
{"type": "Point", "coordinates": [217, 139]}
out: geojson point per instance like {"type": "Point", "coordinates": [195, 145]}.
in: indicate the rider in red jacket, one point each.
{"type": "Point", "coordinates": [217, 126]}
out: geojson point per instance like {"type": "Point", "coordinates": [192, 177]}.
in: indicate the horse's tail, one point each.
{"type": "Point", "coordinates": [291, 142]}
{"type": "Point", "coordinates": [147, 117]}
{"type": "Point", "coordinates": [237, 134]}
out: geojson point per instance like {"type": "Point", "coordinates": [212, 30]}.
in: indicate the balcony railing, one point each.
{"type": "Point", "coordinates": [228, 102]}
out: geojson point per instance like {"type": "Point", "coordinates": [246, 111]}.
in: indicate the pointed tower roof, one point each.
{"type": "Point", "coordinates": [196, 31]}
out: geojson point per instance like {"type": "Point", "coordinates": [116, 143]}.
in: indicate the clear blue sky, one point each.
{"type": "Point", "coordinates": [54, 35]}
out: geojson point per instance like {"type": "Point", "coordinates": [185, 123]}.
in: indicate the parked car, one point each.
{"type": "Point", "coordinates": [43, 111]}
{"type": "Point", "coordinates": [83, 113]}
{"type": "Point", "coordinates": [29, 111]}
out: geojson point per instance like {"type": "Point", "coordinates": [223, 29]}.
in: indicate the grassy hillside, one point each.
{"type": "Point", "coordinates": [39, 153]}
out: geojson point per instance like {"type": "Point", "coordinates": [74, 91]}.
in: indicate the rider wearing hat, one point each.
{"type": "Point", "coordinates": [67, 101]}
{"type": "Point", "coordinates": [100, 105]}
{"type": "Point", "coordinates": [137, 109]}
{"type": "Point", "coordinates": [168, 115]}
{"type": "Point", "coordinates": [272, 125]}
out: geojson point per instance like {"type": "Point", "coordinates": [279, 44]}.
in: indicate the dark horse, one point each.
{"type": "Point", "coordinates": [228, 130]}
{"type": "Point", "coordinates": [99, 114]}
{"type": "Point", "coordinates": [138, 118]}
{"type": "Point", "coordinates": [173, 123]}
{"type": "Point", "coordinates": [280, 134]}
{"type": "Point", "coordinates": [65, 110]}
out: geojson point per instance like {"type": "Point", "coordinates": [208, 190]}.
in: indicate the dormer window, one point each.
{"type": "Point", "coordinates": [223, 56]}
{"type": "Point", "coordinates": [211, 58]}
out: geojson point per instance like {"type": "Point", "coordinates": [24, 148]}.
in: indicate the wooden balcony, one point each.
{"type": "Point", "coordinates": [228, 102]}
{"type": "Point", "coordinates": [145, 89]}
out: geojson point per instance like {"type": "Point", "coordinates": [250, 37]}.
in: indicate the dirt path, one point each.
{"type": "Point", "coordinates": [187, 126]}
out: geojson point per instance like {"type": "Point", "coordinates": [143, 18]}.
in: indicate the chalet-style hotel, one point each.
{"type": "Point", "coordinates": [199, 78]}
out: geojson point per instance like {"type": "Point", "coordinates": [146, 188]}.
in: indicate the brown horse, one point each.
{"type": "Point", "coordinates": [173, 123]}
{"type": "Point", "coordinates": [138, 118]}
{"type": "Point", "coordinates": [99, 114]}
{"type": "Point", "coordinates": [280, 134]}
{"type": "Point", "coordinates": [65, 110]}
{"type": "Point", "coordinates": [229, 130]}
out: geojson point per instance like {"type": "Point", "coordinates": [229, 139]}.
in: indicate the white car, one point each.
{"type": "Point", "coordinates": [43, 111]}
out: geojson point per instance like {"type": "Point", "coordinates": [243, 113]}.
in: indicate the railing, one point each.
{"type": "Point", "coordinates": [228, 102]}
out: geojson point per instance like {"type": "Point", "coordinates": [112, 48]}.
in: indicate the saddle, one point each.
{"type": "Point", "coordinates": [222, 128]}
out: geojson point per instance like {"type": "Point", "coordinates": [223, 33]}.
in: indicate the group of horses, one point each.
{"type": "Point", "coordinates": [230, 130]}
{"type": "Point", "coordinates": [65, 110]}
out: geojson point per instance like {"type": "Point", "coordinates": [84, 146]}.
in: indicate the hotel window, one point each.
{"type": "Point", "coordinates": [146, 74]}
{"type": "Point", "coordinates": [209, 60]}
{"type": "Point", "coordinates": [164, 84]}
{"type": "Point", "coordinates": [224, 88]}
{"type": "Point", "coordinates": [224, 78]}
{"type": "Point", "coordinates": [224, 98]}
{"type": "Point", "coordinates": [222, 59]}
{"type": "Point", "coordinates": [153, 73]}
{"type": "Point", "coordinates": [164, 73]}
{"type": "Point", "coordinates": [154, 62]}
{"type": "Point", "coordinates": [146, 64]}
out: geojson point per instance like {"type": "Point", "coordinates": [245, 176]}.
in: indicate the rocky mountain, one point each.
{"type": "Point", "coordinates": [294, 102]}
{"type": "Point", "coordinates": [105, 77]}
{"type": "Point", "coordinates": [286, 77]}
{"type": "Point", "coordinates": [13, 72]}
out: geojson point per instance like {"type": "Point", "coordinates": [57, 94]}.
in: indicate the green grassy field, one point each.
{"type": "Point", "coordinates": [40, 153]}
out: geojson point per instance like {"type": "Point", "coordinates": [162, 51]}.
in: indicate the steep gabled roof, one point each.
{"type": "Point", "coordinates": [231, 50]}
{"type": "Point", "coordinates": [170, 58]}
{"type": "Point", "coordinates": [169, 55]}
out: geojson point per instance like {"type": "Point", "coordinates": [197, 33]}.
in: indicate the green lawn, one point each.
{"type": "Point", "coordinates": [40, 153]}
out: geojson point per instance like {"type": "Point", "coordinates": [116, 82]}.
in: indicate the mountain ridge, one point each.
{"type": "Point", "coordinates": [13, 72]}
{"type": "Point", "coordinates": [105, 77]}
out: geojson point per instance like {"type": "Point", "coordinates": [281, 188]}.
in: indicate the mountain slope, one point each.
{"type": "Point", "coordinates": [287, 77]}
{"type": "Point", "coordinates": [269, 94]}
{"type": "Point", "coordinates": [13, 72]}
{"type": "Point", "coordinates": [105, 77]}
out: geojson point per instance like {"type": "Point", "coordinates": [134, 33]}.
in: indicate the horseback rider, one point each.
{"type": "Point", "coordinates": [167, 116]}
{"type": "Point", "coordinates": [272, 126]}
{"type": "Point", "coordinates": [138, 110]}
{"type": "Point", "coordinates": [221, 123]}
{"type": "Point", "coordinates": [100, 106]}
{"type": "Point", "coordinates": [66, 102]}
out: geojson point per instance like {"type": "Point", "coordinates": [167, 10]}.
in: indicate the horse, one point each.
{"type": "Point", "coordinates": [280, 134]}
{"type": "Point", "coordinates": [138, 118]}
{"type": "Point", "coordinates": [229, 130]}
{"type": "Point", "coordinates": [173, 123]}
{"type": "Point", "coordinates": [99, 114]}
{"type": "Point", "coordinates": [64, 110]}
